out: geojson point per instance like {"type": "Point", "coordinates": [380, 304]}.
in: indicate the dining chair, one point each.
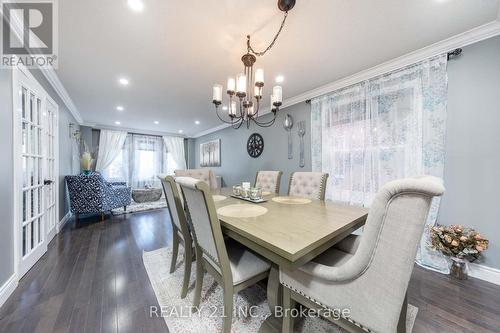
{"type": "Point", "coordinates": [231, 264]}
{"type": "Point", "coordinates": [368, 274]}
{"type": "Point", "coordinates": [268, 181]}
{"type": "Point", "coordinates": [180, 230]}
{"type": "Point", "coordinates": [308, 185]}
{"type": "Point", "coordinates": [206, 175]}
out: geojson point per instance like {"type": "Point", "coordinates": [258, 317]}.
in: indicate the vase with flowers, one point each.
{"type": "Point", "coordinates": [461, 244]}
{"type": "Point", "coordinates": [86, 160]}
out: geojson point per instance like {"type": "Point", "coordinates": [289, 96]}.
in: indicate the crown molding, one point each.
{"type": "Point", "coordinates": [53, 79]}
{"type": "Point", "coordinates": [132, 130]}
{"type": "Point", "coordinates": [472, 36]}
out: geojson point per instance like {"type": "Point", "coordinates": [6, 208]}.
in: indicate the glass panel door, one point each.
{"type": "Point", "coordinates": [35, 146]}
{"type": "Point", "coordinates": [50, 195]}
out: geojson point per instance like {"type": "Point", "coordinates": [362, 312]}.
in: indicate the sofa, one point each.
{"type": "Point", "coordinates": [92, 194]}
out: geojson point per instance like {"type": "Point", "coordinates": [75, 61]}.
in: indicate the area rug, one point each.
{"type": "Point", "coordinates": [140, 207]}
{"type": "Point", "coordinates": [250, 304]}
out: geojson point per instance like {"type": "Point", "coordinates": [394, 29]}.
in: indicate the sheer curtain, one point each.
{"type": "Point", "coordinates": [110, 145]}
{"type": "Point", "coordinates": [146, 155]}
{"type": "Point", "coordinates": [176, 158]}
{"type": "Point", "coordinates": [386, 128]}
{"type": "Point", "coordinates": [139, 161]}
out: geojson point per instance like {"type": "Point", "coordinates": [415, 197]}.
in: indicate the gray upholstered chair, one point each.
{"type": "Point", "coordinates": [369, 274]}
{"type": "Point", "coordinates": [308, 185]}
{"type": "Point", "coordinates": [180, 230]}
{"type": "Point", "coordinates": [206, 175]}
{"type": "Point", "coordinates": [268, 181]}
{"type": "Point", "coordinates": [232, 265]}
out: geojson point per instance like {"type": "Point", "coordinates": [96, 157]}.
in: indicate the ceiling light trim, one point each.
{"type": "Point", "coordinates": [469, 37]}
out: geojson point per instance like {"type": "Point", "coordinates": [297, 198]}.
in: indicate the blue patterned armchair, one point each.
{"type": "Point", "coordinates": [92, 194]}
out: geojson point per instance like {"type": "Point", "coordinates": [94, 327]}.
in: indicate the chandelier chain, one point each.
{"type": "Point", "coordinates": [261, 53]}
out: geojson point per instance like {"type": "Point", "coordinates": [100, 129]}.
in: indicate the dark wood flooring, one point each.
{"type": "Point", "coordinates": [92, 279]}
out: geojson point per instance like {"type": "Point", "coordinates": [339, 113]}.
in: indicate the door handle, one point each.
{"type": "Point", "coordinates": [47, 182]}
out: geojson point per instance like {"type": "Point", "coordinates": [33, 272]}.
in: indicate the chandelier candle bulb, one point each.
{"type": "Point", "coordinates": [231, 85]}
{"type": "Point", "coordinates": [272, 103]}
{"type": "Point", "coordinates": [251, 111]}
{"type": "Point", "coordinates": [278, 94]}
{"type": "Point", "coordinates": [232, 108]}
{"type": "Point", "coordinates": [259, 77]}
{"type": "Point", "coordinates": [241, 84]}
{"type": "Point", "coordinates": [257, 92]}
{"type": "Point", "coordinates": [217, 93]}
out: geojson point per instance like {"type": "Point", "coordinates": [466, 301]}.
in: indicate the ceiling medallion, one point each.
{"type": "Point", "coordinates": [245, 91]}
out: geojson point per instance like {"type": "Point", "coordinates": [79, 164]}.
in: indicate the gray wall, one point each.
{"type": "Point", "coordinates": [472, 165]}
{"type": "Point", "coordinates": [6, 179]}
{"type": "Point", "coordinates": [237, 165]}
{"type": "Point", "coordinates": [68, 149]}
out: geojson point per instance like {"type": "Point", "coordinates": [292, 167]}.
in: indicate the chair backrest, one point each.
{"type": "Point", "coordinates": [308, 185]}
{"type": "Point", "coordinates": [202, 174]}
{"type": "Point", "coordinates": [385, 257]}
{"type": "Point", "coordinates": [175, 207]}
{"type": "Point", "coordinates": [268, 180]}
{"type": "Point", "coordinates": [207, 229]}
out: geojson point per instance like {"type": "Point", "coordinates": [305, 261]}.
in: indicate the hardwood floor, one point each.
{"type": "Point", "coordinates": [92, 279]}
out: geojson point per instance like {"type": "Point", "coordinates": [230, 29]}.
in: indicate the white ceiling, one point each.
{"type": "Point", "coordinates": [175, 50]}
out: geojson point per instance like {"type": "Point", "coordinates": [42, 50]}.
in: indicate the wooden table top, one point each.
{"type": "Point", "coordinates": [295, 233]}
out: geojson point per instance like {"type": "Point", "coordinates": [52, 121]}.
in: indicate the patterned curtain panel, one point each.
{"type": "Point", "coordinates": [386, 128]}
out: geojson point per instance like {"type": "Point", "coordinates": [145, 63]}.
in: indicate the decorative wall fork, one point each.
{"type": "Point", "coordinates": [302, 132]}
{"type": "Point", "coordinates": [288, 124]}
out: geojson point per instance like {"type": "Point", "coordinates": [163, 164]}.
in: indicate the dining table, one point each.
{"type": "Point", "coordinates": [287, 231]}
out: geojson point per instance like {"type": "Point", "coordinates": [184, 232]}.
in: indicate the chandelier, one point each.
{"type": "Point", "coordinates": [246, 90]}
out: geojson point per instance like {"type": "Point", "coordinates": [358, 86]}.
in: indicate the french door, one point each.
{"type": "Point", "coordinates": [35, 144]}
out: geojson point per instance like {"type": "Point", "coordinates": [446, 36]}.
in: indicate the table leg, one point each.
{"type": "Point", "coordinates": [275, 299]}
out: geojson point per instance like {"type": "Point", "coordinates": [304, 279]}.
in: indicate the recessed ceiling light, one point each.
{"type": "Point", "coordinates": [117, 123]}
{"type": "Point", "coordinates": [180, 131]}
{"type": "Point", "coordinates": [197, 122]}
{"type": "Point", "coordinates": [279, 79]}
{"type": "Point", "coordinates": [120, 108]}
{"type": "Point", "coordinates": [136, 5]}
{"type": "Point", "coordinates": [224, 108]}
{"type": "Point", "coordinates": [123, 81]}
{"type": "Point", "coordinates": [156, 122]}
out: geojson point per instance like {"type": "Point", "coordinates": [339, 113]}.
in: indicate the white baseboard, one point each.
{"type": "Point", "coordinates": [484, 273]}
{"type": "Point", "coordinates": [8, 288]}
{"type": "Point", "coordinates": [63, 221]}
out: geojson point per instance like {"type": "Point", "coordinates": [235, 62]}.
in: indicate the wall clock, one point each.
{"type": "Point", "coordinates": [255, 145]}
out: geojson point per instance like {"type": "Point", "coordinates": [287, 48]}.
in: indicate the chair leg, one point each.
{"type": "Point", "coordinates": [124, 208]}
{"type": "Point", "coordinates": [199, 280]}
{"type": "Point", "coordinates": [175, 250]}
{"type": "Point", "coordinates": [188, 257]}
{"type": "Point", "coordinates": [402, 316]}
{"type": "Point", "coordinates": [228, 308]}
{"type": "Point", "coordinates": [102, 216]}
{"type": "Point", "coordinates": [288, 305]}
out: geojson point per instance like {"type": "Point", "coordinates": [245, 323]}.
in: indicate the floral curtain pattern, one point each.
{"type": "Point", "coordinates": [382, 129]}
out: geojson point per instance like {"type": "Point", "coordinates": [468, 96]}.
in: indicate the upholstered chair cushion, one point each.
{"type": "Point", "coordinates": [244, 263]}
{"type": "Point", "coordinates": [372, 282]}
{"type": "Point", "coordinates": [308, 185]}
{"type": "Point", "coordinates": [202, 174]}
{"type": "Point", "coordinates": [268, 181]}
